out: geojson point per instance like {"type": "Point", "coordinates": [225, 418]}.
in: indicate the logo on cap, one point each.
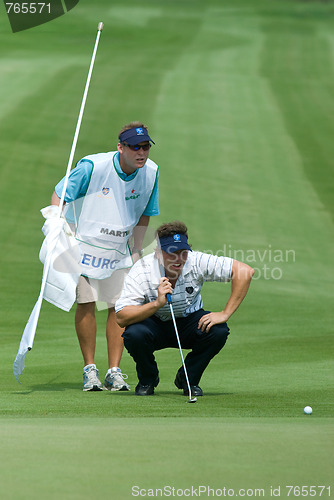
{"type": "Point", "coordinates": [140, 131]}
{"type": "Point", "coordinates": [176, 237]}
{"type": "Point", "coordinates": [105, 190]}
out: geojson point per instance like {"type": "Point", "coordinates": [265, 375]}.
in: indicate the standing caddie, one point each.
{"type": "Point", "coordinates": [109, 200]}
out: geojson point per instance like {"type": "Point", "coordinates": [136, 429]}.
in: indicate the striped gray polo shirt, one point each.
{"type": "Point", "coordinates": [142, 282]}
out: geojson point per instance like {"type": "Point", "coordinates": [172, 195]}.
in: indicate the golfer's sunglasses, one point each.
{"type": "Point", "coordinates": [137, 147]}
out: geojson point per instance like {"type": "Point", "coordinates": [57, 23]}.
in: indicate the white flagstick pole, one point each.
{"type": "Point", "coordinates": [77, 130]}
{"type": "Point", "coordinates": [30, 329]}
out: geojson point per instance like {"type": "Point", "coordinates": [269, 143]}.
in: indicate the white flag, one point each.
{"type": "Point", "coordinates": [58, 245]}
{"type": "Point", "coordinates": [27, 339]}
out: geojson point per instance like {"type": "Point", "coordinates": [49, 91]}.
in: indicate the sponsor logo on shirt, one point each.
{"type": "Point", "coordinates": [98, 262]}
{"type": "Point", "coordinates": [112, 232]}
{"type": "Point", "coordinates": [133, 195]}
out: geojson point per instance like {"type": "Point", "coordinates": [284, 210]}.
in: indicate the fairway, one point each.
{"type": "Point", "coordinates": [239, 99]}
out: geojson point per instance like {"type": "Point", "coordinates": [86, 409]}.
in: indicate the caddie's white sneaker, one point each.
{"type": "Point", "coordinates": [91, 381]}
{"type": "Point", "coordinates": [114, 380]}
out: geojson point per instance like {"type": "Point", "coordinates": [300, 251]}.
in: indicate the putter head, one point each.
{"type": "Point", "coordinates": [193, 400]}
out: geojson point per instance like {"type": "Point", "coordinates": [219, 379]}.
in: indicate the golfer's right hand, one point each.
{"type": "Point", "coordinates": [164, 288]}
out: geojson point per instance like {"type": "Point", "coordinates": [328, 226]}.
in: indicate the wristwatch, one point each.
{"type": "Point", "coordinates": [139, 252]}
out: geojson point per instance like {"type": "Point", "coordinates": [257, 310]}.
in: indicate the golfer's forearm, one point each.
{"type": "Point", "coordinates": [134, 314]}
{"type": "Point", "coordinates": [234, 302]}
{"type": "Point", "coordinates": [241, 277]}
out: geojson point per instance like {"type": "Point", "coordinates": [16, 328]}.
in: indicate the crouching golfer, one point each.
{"type": "Point", "coordinates": [143, 310]}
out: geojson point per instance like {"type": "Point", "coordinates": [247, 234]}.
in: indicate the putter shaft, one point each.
{"type": "Point", "coordinates": [169, 299]}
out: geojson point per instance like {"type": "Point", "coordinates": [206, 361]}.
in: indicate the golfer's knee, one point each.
{"type": "Point", "coordinates": [219, 334]}
{"type": "Point", "coordinates": [134, 335]}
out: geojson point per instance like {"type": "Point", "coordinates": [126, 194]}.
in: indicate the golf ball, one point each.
{"type": "Point", "coordinates": [307, 410]}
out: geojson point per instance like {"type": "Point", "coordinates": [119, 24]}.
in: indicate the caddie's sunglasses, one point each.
{"type": "Point", "coordinates": [137, 147]}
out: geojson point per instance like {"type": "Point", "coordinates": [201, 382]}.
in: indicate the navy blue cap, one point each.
{"type": "Point", "coordinates": [170, 244]}
{"type": "Point", "coordinates": [135, 135]}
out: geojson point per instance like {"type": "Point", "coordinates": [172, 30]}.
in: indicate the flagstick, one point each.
{"type": "Point", "coordinates": [30, 329]}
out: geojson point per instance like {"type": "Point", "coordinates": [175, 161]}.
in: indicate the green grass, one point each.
{"type": "Point", "coordinates": [238, 97]}
{"type": "Point", "coordinates": [214, 458]}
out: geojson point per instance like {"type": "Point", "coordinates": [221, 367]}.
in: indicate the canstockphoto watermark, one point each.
{"type": "Point", "coordinates": [24, 15]}
{"type": "Point", "coordinates": [286, 491]}
{"type": "Point", "coordinates": [267, 262]}
{"type": "Point", "coordinates": [196, 491]}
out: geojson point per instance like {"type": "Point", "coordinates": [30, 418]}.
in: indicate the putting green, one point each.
{"type": "Point", "coordinates": [238, 98]}
{"type": "Point", "coordinates": [123, 456]}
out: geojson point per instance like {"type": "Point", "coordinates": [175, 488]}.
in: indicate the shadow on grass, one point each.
{"type": "Point", "coordinates": [65, 386]}
{"type": "Point", "coordinates": [48, 388]}
{"type": "Point", "coordinates": [180, 394]}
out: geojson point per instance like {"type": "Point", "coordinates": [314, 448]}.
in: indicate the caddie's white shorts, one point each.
{"type": "Point", "coordinates": [107, 290]}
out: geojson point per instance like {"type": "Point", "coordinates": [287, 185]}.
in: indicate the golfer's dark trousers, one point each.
{"type": "Point", "coordinates": [143, 338]}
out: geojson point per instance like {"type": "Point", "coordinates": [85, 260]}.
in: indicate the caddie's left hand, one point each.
{"type": "Point", "coordinates": [213, 318]}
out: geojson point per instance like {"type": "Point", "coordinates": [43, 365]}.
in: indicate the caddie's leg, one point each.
{"type": "Point", "coordinates": [204, 345]}
{"type": "Point", "coordinates": [85, 325]}
{"type": "Point", "coordinates": [115, 342]}
{"type": "Point", "coordinates": [115, 379]}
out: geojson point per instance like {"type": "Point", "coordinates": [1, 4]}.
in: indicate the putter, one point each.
{"type": "Point", "coordinates": [169, 300]}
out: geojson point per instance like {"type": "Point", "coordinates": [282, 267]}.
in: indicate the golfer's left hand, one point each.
{"type": "Point", "coordinates": [214, 318]}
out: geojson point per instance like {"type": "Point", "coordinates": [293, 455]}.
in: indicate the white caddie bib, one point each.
{"type": "Point", "coordinates": [109, 211]}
